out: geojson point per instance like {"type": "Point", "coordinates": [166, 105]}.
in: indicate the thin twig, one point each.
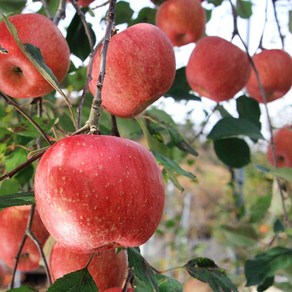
{"type": "Point", "coordinates": [278, 23]}
{"type": "Point", "coordinates": [61, 12]}
{"type": "Point", "coordinates": [10, 101]}
{"type": "Point", "coordinates": [101, 5]}
{"type": "Point", "coordinates": [46, 8]}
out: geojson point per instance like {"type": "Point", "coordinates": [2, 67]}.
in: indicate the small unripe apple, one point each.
{"type": "Point", "coordinates": [12, 228]}
{"type": "Point", "coordinates": [275, 72]}
{"type": "Point", "coordinates": [19, 78]}
{"type": "Point", "coordinates": [282, 141]}
{"type": "Point", "coordinates": [217, 69]}
{"type": "Point", "coordinates": [183, 21]}
{"type": "Point", "coordinates": [140, 68]}
{"type": "Point", "coordinates": [107, 268]}
{"type": "Point", "coordinates": [99, 192]}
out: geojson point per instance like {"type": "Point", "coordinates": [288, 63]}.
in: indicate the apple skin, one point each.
{"type": "Point", "coordinates": [99, 192]}
{"type": "Point", "coordinates": [275, 71]}
{"type": "Point", "coordinates": [19, 78]}
{"type": "Point", "coordinates": [140, 68]}
{"type": "Point", "coordinates": [282, 141]}
{"type": "Point", "coordinates": [183, 21]}
{"type": "Point", "coordinates": [107, 268]}
{"type": "Point", "coordinates": [12, 228]}
{"type": "Point", "coordinates": [217, 69]}
{"type": "Point", "coordinates": [83, 3]}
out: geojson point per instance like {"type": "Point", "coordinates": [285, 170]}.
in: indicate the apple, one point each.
{"type": "Point", "coordinates": [107, 267]}
{"type": "Point", "coordinates": [12, 228]}
{"type": "Point", "coordinates": [19, 78]}
{"type": "Point", "coordinates": [217, 69]}
{"type": "Point", "coordinates": [183, 21]}
{"type": "Point", "coordinates": [83, 3]}
{"type": "Point", "coordinates": [140, 68]}
{"type": "Point", "coordinates": [282, 141]}
{"type": "Point", "coordinates": [275, 72]}
{"type": "Point", "coordinates": [99, 192]}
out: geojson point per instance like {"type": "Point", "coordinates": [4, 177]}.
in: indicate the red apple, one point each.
{"type": "Point", "coordinates": [107, 268]}
{"type": "Point", "coordinates": [12, 228]}
{"type": "Point", "coordinates": [83, 3]}
{"type": "Point", "coordinates": [217, 69]}
{"type": "Point", "coordinates": [282, 141]}
{"type": "Point", "coordinates": [19, 78]}
{"type": "Point", "coordinates": [275, 72]}
{"type": "Point", "coordinates": [99, 192]}
{"type": "Point", "coordinates": [140, 68]}
{"type": "Point", "coordinates": [183, 21]}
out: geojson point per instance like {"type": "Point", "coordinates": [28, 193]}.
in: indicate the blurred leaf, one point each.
{"type": "Point", "coordinates": [223, 111]}
{"type": "Point", "coordinates": [266, 284]}
{"type": "Point", "coordinates": [12, 6]}
{"type": "Point", "coordinates": [123, 12]}
{"type": "Point", "coordinates": [77, 281]}
{"type": "Point", "coordinates": [244, 8]}
{"type": "Point", "coordinates": [180, 89]}
{"type": "Point", "coordinates": [259, 209]}
{"type": "Point", "coordinates": [77, 79]}
{"type": "Point", "coordinates": [215, 2]}
{"type": "Point", "coordinates": [22, 289]}
{"type": "Point", "coordinates": [290, 21]}
{"type": "Point", "coordinates": [278, 226]}
{"type": "Point", "coordinates": [18, 199]}
{"type": "Point", "coordinates": [77, 38]}
{"type": "Point", "coordinates": [266, 264]}
{"type": "Point", "coordinates": [284, 173]}
{"type": "Point", "coordinates": [233, 152]}
{"type": "Point", "coordinates": [25, 175]}
{"type": "Point", "coordinates": [15, 158]}
{"type": "Point", "coordinates": [146, 14]}
{"type": "Point", "coordinates": [52, 6]}
{"type": "Point", "coordinates": [167, 284]}
{"type": "Point", "coordinates": [249, 109]}
{"type": "Point", "coordinates": [207, 271]}
{"type": "Point", "coordinates": [144, 274]}
{"type": "Point", "coordinates": [9, 186]}
{"type": "Point", "coordinates": [231, 127]}
{"type": "Point", "coordinates": [129, 128]}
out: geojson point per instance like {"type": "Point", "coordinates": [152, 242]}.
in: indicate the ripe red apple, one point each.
{"type": "Point", "coordinates": [217, 69]}
{"type": "Point", "coordinates": [19, 78]}
{"type": "Point", "coordinates": [183, 21]}
{"type": "Point", "coordinates": [83, 3]}
{"type": "Point", "coordinates": [140, 68]}
{"type": "Point", "coordinates": [107, 268]}
{"type": "Point", "coordinates": [282, 141]}
{"type": "Point", "coordinates": [275, 72]}
{"type": "Point", "coordinates": [12, 228]}
{"type": "Point", "coordinates": [99, 192]}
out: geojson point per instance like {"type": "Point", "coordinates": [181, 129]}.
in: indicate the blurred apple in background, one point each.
{"type": "Point", "coordinates": [217, 69]}
{"type": "Point", "coordinates": [19, 78]}
{"type": "Point", "coordinates": [275, 72]}
{"type": "Point", "coordinates": [183, 21]}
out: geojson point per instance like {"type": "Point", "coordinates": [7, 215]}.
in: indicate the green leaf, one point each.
{"type": "Point", "coordinates": [207, 271]}
{"type": "Point", "coordinates": [12, 6]}
{"type": "Point", "coordinates": [278, 226]}
{"type": "Point", "coordinates": [77, 281]}
{"type": "Point", "coordinates": [283, 172]}
{"type": "Point", "coordinates": [146, 14]}
{"type": "Point", "coordinates": [266, 264]}
{"type": "Point", "coordinates": [9, 186]}
{"type": "Point", "coordinates": [249, 109]}
{"type": "Point", "coordinates": [124, 12]}
{"type": "Point", "coordinates": [180, 89]}
{"type": "Point", "coordinates": [18, 199]}
{"type": "Point", "coordinates": [52, 6]}
{"type": "Point", "coordinates": [244, 8]}
{"type": "Point", "coordinates": [232, 127]}
{"type": "Point", "coordinates": [259, 209]}
{"type": "Point", "coordinates": [215, 2]}
{"type": "Point", "coordinates": [77, 39]}
{"type": "Point", "coordinates": [167, 284]}
{"type": "Point", "coordinates": [22, 289]}
{"type": "Point", "coordinates": [233, 152]}
{"type": "Point", "coordinates": [144, 274]}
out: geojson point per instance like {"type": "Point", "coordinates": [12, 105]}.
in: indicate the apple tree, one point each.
{"type": "Point", "coordinates": [100, 182]}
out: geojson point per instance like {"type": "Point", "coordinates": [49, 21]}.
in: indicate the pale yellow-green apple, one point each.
{"type": "Point", "coordinates": [98, 192]}
{"type": "Point", "coordinates": [12, 228]}
{"type": "Point", "coordinates": [19, 78]}
{"type": "Point", "coordinates": [275, 71]}
{"type": "Point", "coordinates": [217, 69]}
{"type": "Point", "coordinates": [282, 140]}
{"type": "Point", "coordinates": [183, 21]}
{"type": "Point", "coordinates": [107, 267]}
{"type": "Point", "coordinates": [140, 68]}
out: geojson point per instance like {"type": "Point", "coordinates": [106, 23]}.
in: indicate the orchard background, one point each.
{"type": "Point", "coordinates": [227, 214]}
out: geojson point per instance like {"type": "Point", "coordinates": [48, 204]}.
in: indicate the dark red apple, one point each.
{"type": "Point", "coordinates": [12, 228]}
{"type": "Point", "coordinates": [275, 72]}
{"type": "Point", "coordinates": [107, 268]}
{"type": "Point", "coordinates": [19, 78]}
{"type": "Point", "coordinates": [283, 148]}
{"type": "Point", "coordinates": [217, 69]}
{"type": "Point", "coordinates": [183, 21]}
{"type": "Point", "coordinates": [140, 68]}
{"type": "Point", "coordinates": [99, 192]}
